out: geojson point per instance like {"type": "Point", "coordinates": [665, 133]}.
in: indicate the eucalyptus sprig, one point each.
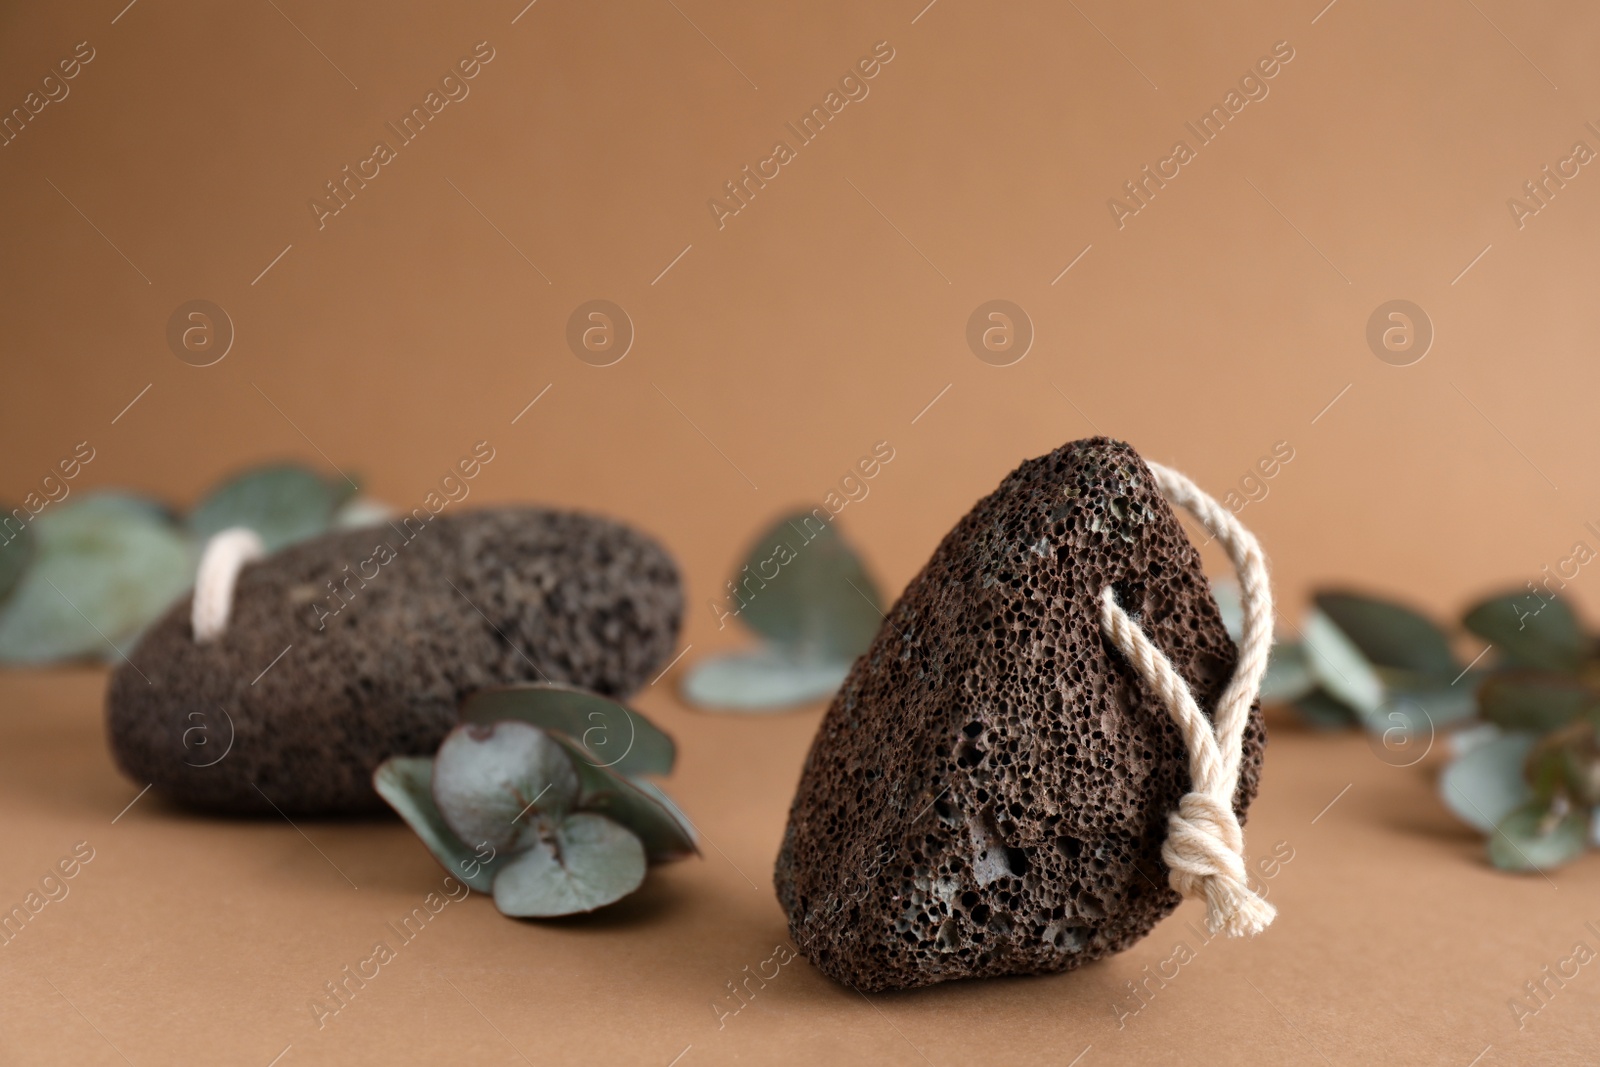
{"type": "Point", "coordinates": [85, 575]}
{"type": "Point", "coordinates": [1527, 764]}
{"type": "Point", "coordinates": [532, 799]}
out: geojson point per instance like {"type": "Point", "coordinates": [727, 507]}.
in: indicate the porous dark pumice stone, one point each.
{"type": "Point", "coordinates": [380, 637]}
{"type": "Point", "coordinates": [989, 791]}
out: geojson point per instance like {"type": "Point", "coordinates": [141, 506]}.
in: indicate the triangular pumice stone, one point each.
{"type": "Point", "coordinates": [988, 793]}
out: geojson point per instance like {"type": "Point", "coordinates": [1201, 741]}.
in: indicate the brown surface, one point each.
{"type": "Point", "coordinates": [1222, 319]}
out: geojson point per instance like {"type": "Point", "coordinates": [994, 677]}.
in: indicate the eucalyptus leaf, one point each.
{"type": "Point", "coordinates": [1443, 704]}
{"type": "Point", "coordinates": [406, 783]}
{"type": "Point", "coordinates": [762, 679]}
{"type": "Point", "coordinates": [1340, 666]}
{"type": "Point", "coordinates": [489, 781]}
{"type": "Point", "coordinates": [1325, 712]}
{"type": "Point", "coordinates": [102, 506]}
{"type": "Point", "coordinates": [16, 551]}
{"type": "Point", "coordinates": [618, 736]}
{"type": "Point", "coordinates": [633, 804]}
{"type": "Point", "coordinates": [1486, 783]}
{"type": "Point", "coordinates": [804, 589]}
{"type": "Point", "coordinates": [590, 863]}
{"type": "Point", "coordinates": [104, 567]}
{"type": "Point", "coordinates": [1229, 606]}
{"type": "Point", "coordinates": [1390, 634]}
{"type": "Point", "coordinates": [1288, 676]}
{"type": "Point", "coordinates": [1532, 838]}
{"type": "Point", "coordinates": [1530, 631]}
{"type": "Point", "coordinates": [283, 504]}
{"type": "Point", "coordinates": [1535, 700]}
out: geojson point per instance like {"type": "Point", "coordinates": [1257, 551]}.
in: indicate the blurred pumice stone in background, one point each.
{"type": "Point", "coordinates": [988, 793]}
{"type": "Point", "coordinates": [342, 651]}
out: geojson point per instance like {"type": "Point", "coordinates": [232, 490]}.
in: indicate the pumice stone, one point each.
{"type": "Point", "coordinates": [990, 791]}
{"type": "Point", "coordinates": [339, 652]}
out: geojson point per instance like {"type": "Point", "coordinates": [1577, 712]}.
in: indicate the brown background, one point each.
{"type": "Point", "coordinates": [1222, 319]}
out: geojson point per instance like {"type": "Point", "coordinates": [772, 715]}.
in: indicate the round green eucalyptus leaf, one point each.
{"type": "Point", "coordinates": [1530, 631]}
{"type": "Point", "coordinates": [803, 588]}
{"type": "Point", "coordinates": [1323, 711]}
{"type": "Point", "coordinates": [104, 567]}
{"type": "Point", "coordinates": [1339, 666]}
{"type": "Point", "coordinates": [283, 504]}
{"type": "Point", "coordinates": [16, 550]}
{"type": "Point", "coordinates": [406, 784]}
{"type": "Point", "coordinates": [587, 862]}
{"type": "Point", "coordinates": [1288, 676]}
{"type": "Point", "coordinates": [1532, 839]}
{"type": "Point", "coordinates": [617, 736]}
{"type": "Point", "coordinates": [762, 679]}
{"type": "Point", "coordinates": [490, 781]}
{"type": "Point", "coordinates": [1390, 634]}
{"type": "Point", "coordinates": [638, 805]}
{"type": "Point", "coordinates": [1486, 783]}
{"type": "Point", "coordinates": [1535, 700]}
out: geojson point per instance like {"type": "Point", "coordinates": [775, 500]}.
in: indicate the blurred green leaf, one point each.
{"type": "Point", "coordinates": [1533, 838]}
{"type": "Point", "coordinates": [590, 863]}
{"type": "Point", "coordinates": [1288, 676]}
{"type": "Point", "coordinates": [105, 566]}
{"type": "Point", "coordinates": [1444, 705]}
{"type": "Point", "coordinates": [1390, 634]}
{"type": "Point", "coordinates": [283, 504]}
{"type": "Point", "coordinates": [761, 679]}
{"type": "Point", "coordinates": [664, 832]}
{"type": "Point", "coordinates": [1530, 631]}
{"type": "Point", "coordinates": [620, 737]}
{"type": "Point", "coordinates": [406, 783]}
{"type": "Point", "coordinates": [1534, 700]}
{"type": "Point", "coordinates": [1566, 764]}
{"type": "Point", "coordinates": [804, 589]}
{"type": "Point", "coordinates": [1229, 606]}
{"type": "Point", "coordinates": [490, 781]}
{"type": "Point", "coordinates": [1339, 665]}
{"type": "Point", "coordinates": [1486, 782]}
{"type": "Point", "coordinates": [16, 552]}
{"type": "Point", "coordinates": [1325, 712]}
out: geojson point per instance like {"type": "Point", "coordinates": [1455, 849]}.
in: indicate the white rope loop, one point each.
{"type": "Point", "coordinates": [224, 557]}
{"type": "Point", "coordinates": [1204, 850]}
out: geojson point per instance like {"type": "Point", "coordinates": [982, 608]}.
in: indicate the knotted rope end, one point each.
{"type": "Point", "coordinates": [1236, 911]}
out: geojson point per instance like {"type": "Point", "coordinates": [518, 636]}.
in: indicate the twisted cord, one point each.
{"type": "Point", "coordinates": [225, 555]}
{"type": "Point", "coordinates": [1204, 850]}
